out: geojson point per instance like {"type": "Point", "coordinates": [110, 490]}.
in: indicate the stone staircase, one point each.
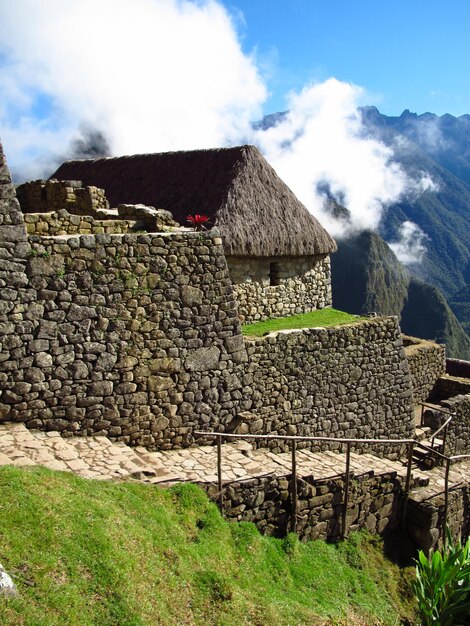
{"type": "Point", "coordinates": [425, 459]}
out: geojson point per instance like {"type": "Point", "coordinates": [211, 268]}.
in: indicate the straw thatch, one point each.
{"type": "Point", "coordinates": [257, 214]}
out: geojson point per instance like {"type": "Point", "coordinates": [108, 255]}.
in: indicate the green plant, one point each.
{"type": "Point", "coordinates": [442, 585]}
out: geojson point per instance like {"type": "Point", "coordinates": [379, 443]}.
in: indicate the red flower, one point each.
{"type": "Point", "coordinates": [197, 221]}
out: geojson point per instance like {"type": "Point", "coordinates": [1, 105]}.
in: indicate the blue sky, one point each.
{"type": "Point", "coordinates": [159, 75]}
{"type": "Point", "coordinates": [407, 54]}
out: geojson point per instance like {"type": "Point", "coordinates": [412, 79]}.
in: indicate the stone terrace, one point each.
{"type": "Point", "coordinates": [98, 457]}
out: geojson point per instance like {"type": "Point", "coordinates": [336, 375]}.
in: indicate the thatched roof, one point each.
{"type": "Point", "coordinates": [257, 214]}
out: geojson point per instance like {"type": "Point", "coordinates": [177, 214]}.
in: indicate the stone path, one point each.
{"type": "Point", "coordinates": [98, 457]}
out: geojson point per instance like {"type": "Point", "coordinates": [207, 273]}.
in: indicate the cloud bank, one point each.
{"type": "Point", "coordinates": [151, 75]}
{"type": "Point", "coordinates": [320, 149]}
{"type": "Point", "coordinates": [128, 76]}
{"type": "Point", "coordinates": [411, 245]}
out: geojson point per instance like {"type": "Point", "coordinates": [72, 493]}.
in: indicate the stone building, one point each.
{"type": "Point", "coordinates": [277, 252]}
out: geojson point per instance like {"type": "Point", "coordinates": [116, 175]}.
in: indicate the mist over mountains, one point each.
{"type": "Point", "coordinates": [439, 146]}
{"type": "Point", "coordinates": [429, 230]}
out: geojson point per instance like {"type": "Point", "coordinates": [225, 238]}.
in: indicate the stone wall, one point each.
{"type": "Point", "coordinates": [425, 519]}
{"type": "Point", "coordinates": [426, 362]}
{"type": "Point", "coordinates": [448, 387]}
{"type": "Point", "coordinates": [375, 504]}
{"type": "Point", "coordinates": [137, 337]}
{"type": "Point", "coordinates": [126, 218]}
{"type": "Point", "coordinates": [280, 286]}
{"type": "Point", "coordinates": [16, 297]}
{"type": "Point", "coordinates": [458, 432]}
{"type": "Point", "coordinates": [347, 381]}
{"type": "Point", "coordinates": [43, 196]}
{"type": "Point", "coordinates": [63, 223]}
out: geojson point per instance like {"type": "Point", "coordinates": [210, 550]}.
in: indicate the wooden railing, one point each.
{"type": "Point", "coordinates": [443, 428]}
{"type": "Point", "coordinates": [410, 443]}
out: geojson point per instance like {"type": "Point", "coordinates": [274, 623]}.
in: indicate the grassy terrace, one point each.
{"type": "Point", "coordinates": [87, 552]}
{"type": "Point", "coordinates": [323, 318]}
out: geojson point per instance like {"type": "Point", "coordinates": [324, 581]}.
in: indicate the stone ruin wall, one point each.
{"type": "Point", "coordinates": [61, 222]}
{"type": "Point", "coordinates": [43, 196]}
{"type": "Point", "coordinates": [280, 286]}
{"type": "Point", "coordinates": [137, 336]}
{"type": "Point", "coordinates": [426, 362]}
{"type": "Point", "coordinates": [375, 504]}
{"type": "Point", "coordinates": [132, 336]}
{"type": "Point", "coordinates": [458, 429]}
{"type": "Point", "coordinates": [425, 519]}
{"type": "Point", "coordinates": [349, 381]}
{"type": "Point", "coordinates": [428, 365]}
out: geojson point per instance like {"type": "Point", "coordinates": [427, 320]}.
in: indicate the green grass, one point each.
{"type": "Point", "coordinates": [322, 318]}
{"type": "Point", "coordinates": [87, 552]}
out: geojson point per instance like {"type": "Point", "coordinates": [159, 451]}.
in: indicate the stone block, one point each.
{"type": "Point", "coordinates": [203, 359]}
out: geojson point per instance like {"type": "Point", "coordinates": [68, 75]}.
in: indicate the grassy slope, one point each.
{"type": "Point", "coordinates": [88, 552]}
{"type": "Point", "coordinates": [324, 317]}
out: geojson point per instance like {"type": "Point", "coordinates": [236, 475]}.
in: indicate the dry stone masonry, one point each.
{"type": "Point", "coordinates": [137, 337]}
{"type": "Point", "coordinates": [42, 196]}
{"type": "Point", "coordinates": [349, 381]}
{"type": "Point", "coordinates": [280, 286]}
{"type": "Point", "coordinates": [426, 362]}
{"type": "Point", "coordinates": [375, 504]}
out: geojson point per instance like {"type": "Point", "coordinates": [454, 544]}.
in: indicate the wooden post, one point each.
{"type": "Point", "coordinates": [346, 489]}
{"type": "Point", "coordinates": [407, 483]}
{"type": "Point", "coordinates": [446, 498]}
{"type": "Point", "coordinates": [219, 474]}
{"type": "Point", "coordinates": [444, 440]}
{"type": "Point", "coordinates": [294, 489]}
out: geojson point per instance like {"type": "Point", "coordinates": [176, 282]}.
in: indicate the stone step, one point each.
{"type": "Point", "coordinates": [424, 458]}
{"type": "Point", "coordinates": [422, 432]}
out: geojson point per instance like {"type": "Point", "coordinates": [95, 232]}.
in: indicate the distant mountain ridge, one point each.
{"type": "Point", "coordinates": [439, 147]}
{"type": "Point", "coordinates": [367, 277]}
{"type": "Point", "coordinates": [365, 273]}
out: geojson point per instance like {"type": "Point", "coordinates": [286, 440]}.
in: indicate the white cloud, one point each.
{"type": "Point", "coordinates": [321, 142]}
{"type": "Point", "coordinates": [157, 75]}
{"type": "Point", "coordinates": [411, 245]}
{"type": "Point", "coordinates": [153, 75]}
{"type": "Point", "coordinates": [425, 183]}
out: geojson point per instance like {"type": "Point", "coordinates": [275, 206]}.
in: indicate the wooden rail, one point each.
{"type": "Point", "coordinates": [410, 443]}
{"type": "Point", "coordinates": [434, 407]}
